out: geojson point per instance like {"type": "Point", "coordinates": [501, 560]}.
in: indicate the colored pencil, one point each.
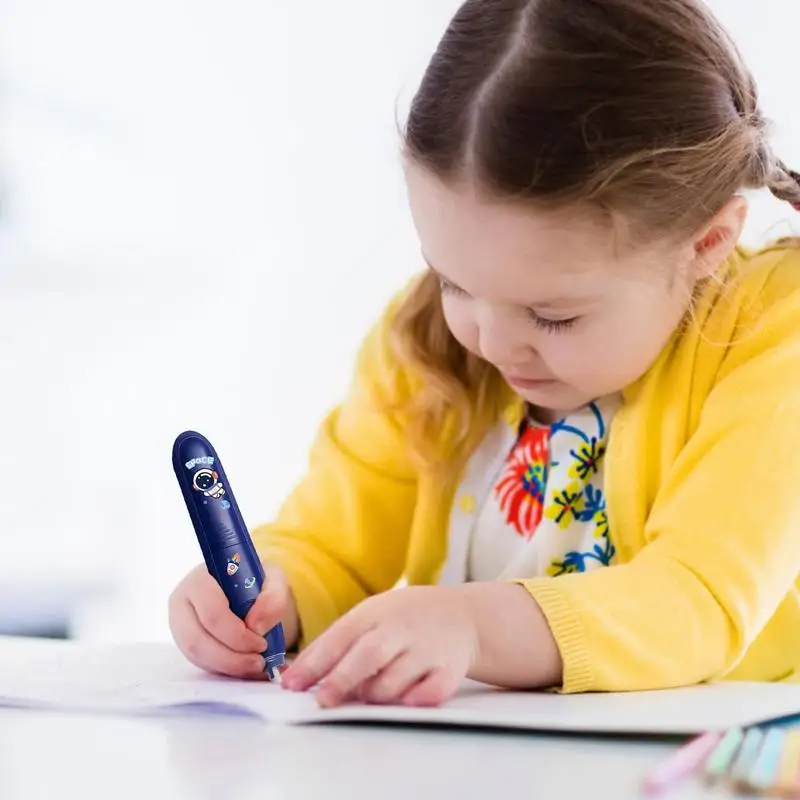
{"type": "Point", "coordinates": [719, 762]}
{"type": "Point", "coordinates": [680, 764]}
{"type": "Point", "coordinates": [765, 770]}
{"type": "Point", "coordinates": [746, 757]}
{"type": "Point", "coordinates": [757, 762]}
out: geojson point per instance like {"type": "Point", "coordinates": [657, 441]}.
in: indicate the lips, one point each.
{"type": "Point", "coordinates": [528, 383]}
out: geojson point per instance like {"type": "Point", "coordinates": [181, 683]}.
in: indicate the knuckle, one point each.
{"type": "Point", "coordinates": [342, 680]}
{"type": "Point", "coordinates": [381, 691]}
{"type": "Point", "coordinates": [211, 617]}
{"type": "Point", "coordinates": [193, 649]}
{"type": "Point", "coordinates": [377, 651]}
{"type": "Point", "coordinates": [347, 675]}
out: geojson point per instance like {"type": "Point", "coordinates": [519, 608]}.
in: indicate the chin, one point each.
{"type": "Point", "coordinates": [553, 397]}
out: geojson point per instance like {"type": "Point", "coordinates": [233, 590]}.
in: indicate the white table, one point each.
{"type": "Point", "coordinates": [47, 755]}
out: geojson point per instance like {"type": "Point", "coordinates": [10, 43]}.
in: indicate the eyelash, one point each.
{"type": "Point", "coordinates": [549, 325]}
{"type": "Point", "coordinates": [449, 288]}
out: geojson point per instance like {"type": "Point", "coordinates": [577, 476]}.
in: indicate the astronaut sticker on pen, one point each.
{"type": "Point", "coordinates": [233, 564]}
{"type": "Point", "coordinates": [207, 481]}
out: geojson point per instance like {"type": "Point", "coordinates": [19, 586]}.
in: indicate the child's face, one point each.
{"type": "Point", "coordinates": [545, 297]}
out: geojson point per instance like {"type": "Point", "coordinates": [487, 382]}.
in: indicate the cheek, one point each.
{"type": "Point", "coordinates": [571, 355]}
{"type": "Point", "coordinates": [610, 353]}
{"type": "Point", "coordinates": [596, 357]}
{"type": "Point", "coordinates": [461, 324]}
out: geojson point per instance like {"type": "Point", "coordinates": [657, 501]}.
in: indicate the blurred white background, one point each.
{"type": "Point", "coordinates": [201, 211]}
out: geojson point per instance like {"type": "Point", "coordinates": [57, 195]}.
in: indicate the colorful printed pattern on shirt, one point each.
{"type": "Point", "coordinates": [576, 502]}
{"type": "Point", "coordinates": [520, 490]}
{"type": "Point", "coordinates": [546, 514]}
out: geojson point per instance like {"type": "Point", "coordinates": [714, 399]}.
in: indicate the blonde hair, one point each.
{"type": "Point", "coordinates": [459, 394]}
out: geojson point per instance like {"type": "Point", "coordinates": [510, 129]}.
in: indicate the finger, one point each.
{"type": "Point", "coordinates": [324, 653]}
{"type": "Point", "coordinates": [217, 618]}
{"type": "Point", "coordinates": [436, 687]}
{"type": "Point", "coordinates": [268, 609]}
{"type": "Point", "coordinates": [389, 685]}
{"type": "Point", "coordinates": [365, 659]}
{"type": "Point", "coordinates": [206, 652]}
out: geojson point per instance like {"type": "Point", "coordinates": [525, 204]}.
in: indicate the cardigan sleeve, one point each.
{"type": "Point", "coordinates": [342, 534]}
{"type": "Point", "coordinates": [723, 537]}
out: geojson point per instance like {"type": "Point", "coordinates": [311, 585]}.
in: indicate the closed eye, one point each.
{"type": "Point", "coordinates": [549, 325]}
{"type": "Point", "coordinates": [449, 288]}
{"type": "Point", "coordinates": [552, 325]}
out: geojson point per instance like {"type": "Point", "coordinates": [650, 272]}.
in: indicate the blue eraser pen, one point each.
{"type": "Point", "coordinates": [224, 539]}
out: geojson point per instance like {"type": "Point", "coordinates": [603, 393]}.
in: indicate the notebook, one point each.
{"type": "Point", "coordinates": [155, 679]}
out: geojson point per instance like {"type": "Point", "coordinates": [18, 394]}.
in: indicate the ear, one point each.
{"type": "Point", "coordinates": [717, 239]}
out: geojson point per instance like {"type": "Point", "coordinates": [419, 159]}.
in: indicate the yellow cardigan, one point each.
{"type": "Point", "coordinates": [702, 486]}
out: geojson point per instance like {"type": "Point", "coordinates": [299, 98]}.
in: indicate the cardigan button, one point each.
{"type": "Point", "coordinates": [468, 503]}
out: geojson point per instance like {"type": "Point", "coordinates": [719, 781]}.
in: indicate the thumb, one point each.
{"type": "Point", "coordinates": [268, 609]}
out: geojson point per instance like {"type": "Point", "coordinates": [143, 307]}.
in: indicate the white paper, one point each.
{"type": "Point", "coordinates": [147, 679]}
{"type": "Point", "coordinates": [144, 678]}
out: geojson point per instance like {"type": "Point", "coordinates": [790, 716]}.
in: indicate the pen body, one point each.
{"type": "Point", "coordinates": [224, 540]}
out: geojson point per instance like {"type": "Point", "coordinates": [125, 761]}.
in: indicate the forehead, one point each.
{"type": "Point", "coordinates": [505, 250]}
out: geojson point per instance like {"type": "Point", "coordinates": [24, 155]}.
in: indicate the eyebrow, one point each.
{"type": "Point", "coordinates": [551, 304]}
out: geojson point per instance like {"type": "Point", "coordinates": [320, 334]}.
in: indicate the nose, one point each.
{"type": "Point", "coordinates": [500, 341]}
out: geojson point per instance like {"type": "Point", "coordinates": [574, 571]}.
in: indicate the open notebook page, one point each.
{"type": "Point", "coordinates": [140, 678]}
{"type": "Point", "coordinates": [137, 679]}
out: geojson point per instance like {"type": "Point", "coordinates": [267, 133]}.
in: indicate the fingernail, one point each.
{"type": "Point", "coordinates": [324, 699]}
{"type": "Point", "coordinates": [290, 680]}
{"type": "Point", "coordinates": [327, 696]}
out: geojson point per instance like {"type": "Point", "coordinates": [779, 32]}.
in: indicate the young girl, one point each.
{"type": "Point", "coordinates": [576, 436]}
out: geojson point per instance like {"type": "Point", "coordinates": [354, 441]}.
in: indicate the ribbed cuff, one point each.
{"type": "Point", "coordinates": [568, 631]}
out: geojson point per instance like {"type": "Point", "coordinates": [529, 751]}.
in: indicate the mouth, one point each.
{"type": "Point", "coordinates": [528, 383]}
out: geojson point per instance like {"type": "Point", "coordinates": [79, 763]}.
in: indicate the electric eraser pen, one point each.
{"type": "Point", "coordinates": [227, 547]}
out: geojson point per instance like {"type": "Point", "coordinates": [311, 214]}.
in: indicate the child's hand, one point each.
{"type": "Point", "coordinates": [213, 638]}
{"type": "Point", "coordinates": [410, 646]}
